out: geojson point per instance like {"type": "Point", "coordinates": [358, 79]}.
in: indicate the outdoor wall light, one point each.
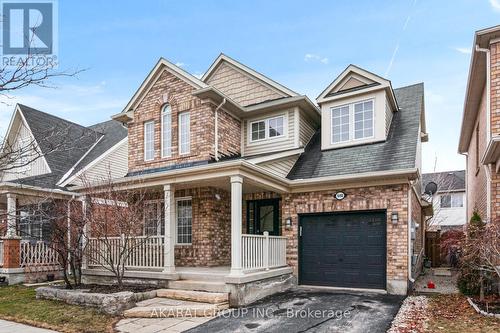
{"type": "Point", "coordinates": [394, 217]}
{"type": "Point", "coordinates": [217, 196]}
{"type": "Point", "coordinates": [288, 222]}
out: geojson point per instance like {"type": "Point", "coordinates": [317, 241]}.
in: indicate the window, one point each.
{"type": "Point", "coordinates": [340, 124]}
{"type": "Point", "coordinates": [363, 120]}
{"type": "Point", "coordinates": [34, 222]}
{"type": "Point", "coordinates": [154, 218]}
{"type": "Point", "coordinates": [166, 131]}
{"type": "Point", "coordinates": [184, 221]}
{"type": "Point", "coordinates": [267, 128]}
{"type": "Point", "coordinates": [453, 200]}
{"type": "Point", "coordinates": [184, 133]}
{"type": "Point", "coordinates": [352, 122]}
{"type": "Point", "coordinates": [149, 141]}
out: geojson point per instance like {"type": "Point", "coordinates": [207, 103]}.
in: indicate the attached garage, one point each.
{"type": "Point", "coordinates": [345, 249]}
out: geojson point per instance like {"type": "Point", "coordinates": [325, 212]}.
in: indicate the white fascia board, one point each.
{"type": "Point", "coordinates": [276, 156]}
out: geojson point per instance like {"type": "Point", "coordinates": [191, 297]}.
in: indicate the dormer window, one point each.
{"type": "Point", "coordinates": [352, 121]}
{"type": "Point", "coordinates": [269, 128]}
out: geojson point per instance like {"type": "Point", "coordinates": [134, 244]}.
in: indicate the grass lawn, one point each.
{"type": "Point", "coordinates": [452, 313]}
{"type": "Point", "coordinates": [18, 303]}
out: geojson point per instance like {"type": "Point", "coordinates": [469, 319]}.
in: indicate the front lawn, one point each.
{"type": "Point", "coordinates": [18, 303]}
{"type": "Point", "coordinates": [452, 313]}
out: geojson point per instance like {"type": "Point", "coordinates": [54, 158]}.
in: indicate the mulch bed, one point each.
{"type": "Point", "coordinates": [105, 289]}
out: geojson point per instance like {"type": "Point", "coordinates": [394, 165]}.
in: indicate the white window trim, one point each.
{"type": "Point", "coordinates": [158, 203]}
{"type": "Point", "coordinates": [451, 201]}
{"type": "Point", "coordinates": [351, 122]}
{"type": "Point", "coordinates": [266, 125]}
{"type": "Point", "coordinates": [189, 132]}
{"type": "Point", "coordinates": [162, 130]}
{"type": "Point", "coordinates": [177, 220]}
{"type": "Point", "coordinates": [145, 125]}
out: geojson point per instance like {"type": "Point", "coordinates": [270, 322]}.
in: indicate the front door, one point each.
{"type": "Point", "coordinates": [263, 215]}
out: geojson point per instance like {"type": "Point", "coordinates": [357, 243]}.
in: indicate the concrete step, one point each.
{"type": "Point", "coordinates": [209, 286]}
{"type": "Point", "coordinates": [442, 271]}
{"type": "Point", "coordinates": [194, 296]}
{"type": "Point", "coordinates": [170, 308]}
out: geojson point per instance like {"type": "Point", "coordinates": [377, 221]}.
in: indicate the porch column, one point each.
{"type": "Point", "coordinates": [11, 216]}
{"type": "Point", "coordinates": [84, 231]}
{"type": "Point", "coordinates": [236, 221]}
{"type": "Point", "coordinates": [169, 242]}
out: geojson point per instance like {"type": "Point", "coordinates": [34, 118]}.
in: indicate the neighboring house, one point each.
{"type": "Point", "coordinates": [235, 155]}
{"type": "Point", "coordinates": [449, 201]}
{"type": "Point", "coordinates": [480, 132]}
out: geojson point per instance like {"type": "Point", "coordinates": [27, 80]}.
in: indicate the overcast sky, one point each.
{"type": "Point", "coordinates": [301, 44]}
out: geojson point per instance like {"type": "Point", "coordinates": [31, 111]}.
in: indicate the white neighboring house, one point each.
{"type": "Point", "coordinates": [449, 201]}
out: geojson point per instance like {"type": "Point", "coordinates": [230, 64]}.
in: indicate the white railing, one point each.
{"type": "Point", "coordinates": [1, 253]}
{"type": "Point", "coordinates": [37, 254]}
{"type": "Point", "coordinates": [262, 252]}
{"type": "Point", "coordinates": [139, 252]}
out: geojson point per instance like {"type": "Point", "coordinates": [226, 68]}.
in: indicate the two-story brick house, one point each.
{"type": "Point", "coordinates": [258, 187]}
{"type": "Point", "coordinates": [480, 131]}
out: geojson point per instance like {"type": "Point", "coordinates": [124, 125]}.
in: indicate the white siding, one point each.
{"type": "Point", "coordinates": [37, 167]}
{"type": "Point", "coordinates": [115, 164]}
{"type": "Point", "coordinates": [388, 116]}
{"type": "Point", "coordinates": [280, 167]}
{"type": "Point", "coordinates": [451, 217]}
{"type": "Point", "coordinates": [306, 130]}
{"type": "Point", "coordinates": [271, 145]}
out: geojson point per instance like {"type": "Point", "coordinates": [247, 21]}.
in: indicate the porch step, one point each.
{"type": "Point", "coordinates": [194, 296]}
{"type": "Point", "coordinates": [170, 308]}
{"type": "Point", "coordinates": [195, 285]}
{"type": "Point", "coordinates": [442, 271]}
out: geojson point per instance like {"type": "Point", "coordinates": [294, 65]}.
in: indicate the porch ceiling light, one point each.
{"type": "Point", "coordinates": [394, 217]}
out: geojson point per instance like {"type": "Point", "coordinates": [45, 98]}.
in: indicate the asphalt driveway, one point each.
{"type": "Point", "coordinates": [310, 310]}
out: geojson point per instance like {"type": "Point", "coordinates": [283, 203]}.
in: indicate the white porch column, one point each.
{"type": "Point", "coordinates": [84, 231]}
{"type": "Point", "coordinates": [236, 212]}
{"type": "Point", "coordinates": [169, 245]}
{"type": "Point", "coordinates": [11, 216]}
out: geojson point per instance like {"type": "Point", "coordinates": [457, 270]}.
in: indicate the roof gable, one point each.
{"type": "Point", "coordinates": [223, 62]}
{"type": "Point", "coordinates": [148, 83]}
{"type": "Point", "coordinates": [353, 80]}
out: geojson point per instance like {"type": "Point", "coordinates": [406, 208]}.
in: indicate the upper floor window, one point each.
{"type": "Point", "coordinates": [267, 128]}
{"type": "Point", "coordinates": [149, 140]}
{"type": "Point", "coordinates": [352, 122]}
{"type": "Point", "coordinates": [166, 131]}
{"type": "Point", "coordinates": [452, 200]}
{"type": "Point", "coordinates": [184, 133]}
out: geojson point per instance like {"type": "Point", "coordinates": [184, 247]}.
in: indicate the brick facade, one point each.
{"type": "Point", "coordinates": [495, 126]}
{"type": "Point", "coordinates": [202, 126]}
{"type": "Point", "coordinates": [393, 198]}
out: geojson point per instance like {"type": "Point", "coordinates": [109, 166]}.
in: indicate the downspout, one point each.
{"type": "Point", "coordinates": [488, 127]}
{"type": "Point", "coordinates": [216, 145]}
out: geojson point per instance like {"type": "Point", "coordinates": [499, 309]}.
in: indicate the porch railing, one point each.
{"type": "Point", "coordinates": [262, 252]}
{"type": "Point", "coordinates": [37, 254]}
{"type": "Point", "coordinates": [140, 251]}
{"type": "Point", "coordinates": [1, 253]}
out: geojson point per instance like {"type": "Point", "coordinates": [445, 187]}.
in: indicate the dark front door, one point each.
{"type": "Point", "coordinates": [263, 215]}
{"type": "Point", "coordinates": [343, 250]}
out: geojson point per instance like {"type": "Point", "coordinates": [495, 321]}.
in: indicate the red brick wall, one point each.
{"type": "Point", "coordinates": [201, 124]}
{"type": "Point", "coordinates": [392, 198]}
{"type": "Point", "coordinates": [495, 127]}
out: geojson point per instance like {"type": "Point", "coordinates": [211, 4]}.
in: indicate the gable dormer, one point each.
{"type": "Point", "coordinates": [356, 108]}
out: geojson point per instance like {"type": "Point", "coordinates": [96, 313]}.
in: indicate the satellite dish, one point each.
{"type": "Point", "coordinates": [431, 188]}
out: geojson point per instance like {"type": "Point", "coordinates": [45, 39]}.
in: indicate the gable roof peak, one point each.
{"type": "Point", "coordinates": [255, 74]}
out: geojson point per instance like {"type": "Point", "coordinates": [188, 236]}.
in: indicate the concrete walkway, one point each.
{"type": "Point", "coordinates": [159, 325]}
{"type": "Point", "coordinates": [10, 326]}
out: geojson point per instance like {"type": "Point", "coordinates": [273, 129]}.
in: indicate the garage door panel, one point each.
{"type": "Point", "coordinates": [343, 250]}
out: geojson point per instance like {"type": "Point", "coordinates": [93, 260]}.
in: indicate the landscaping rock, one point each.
{"type": "Point", "coordinates": [112, 304]}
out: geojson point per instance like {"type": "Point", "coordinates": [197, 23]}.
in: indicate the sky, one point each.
{"type": "Point", "coordinates": [301, 44]}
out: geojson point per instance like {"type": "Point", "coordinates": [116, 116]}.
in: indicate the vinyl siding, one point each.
{"type": "Point", "coordinates": [271, 145]}
{"type": "Point", "coordinates": [388, 116]}
{"type": "Point", "coordinates": [37, 167]}
{"type": "Point", "coordinates": [241, 87]}
{"type": "Point", "coordinates": [115, 164]}
{"type": "Point", "coordinates": [280, 167]}
{"type": "Point", "coordinates": [306, 130]}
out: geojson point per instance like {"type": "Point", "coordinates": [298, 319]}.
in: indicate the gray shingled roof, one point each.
{"type": "Point", "coordinates": [64, 143]}
{"type": "Point", "coordinates": [446, 181]}
{"type": "Point", "coordinates": [397, 152]}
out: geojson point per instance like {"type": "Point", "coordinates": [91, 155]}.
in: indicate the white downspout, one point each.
{"type": "Point", "coordinates": [488, 127]}
{"type": "Point", "coordinates": [216, 145]}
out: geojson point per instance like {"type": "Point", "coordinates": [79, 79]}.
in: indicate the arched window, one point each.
{"type": "Point", "coordinates": [166, 131]}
